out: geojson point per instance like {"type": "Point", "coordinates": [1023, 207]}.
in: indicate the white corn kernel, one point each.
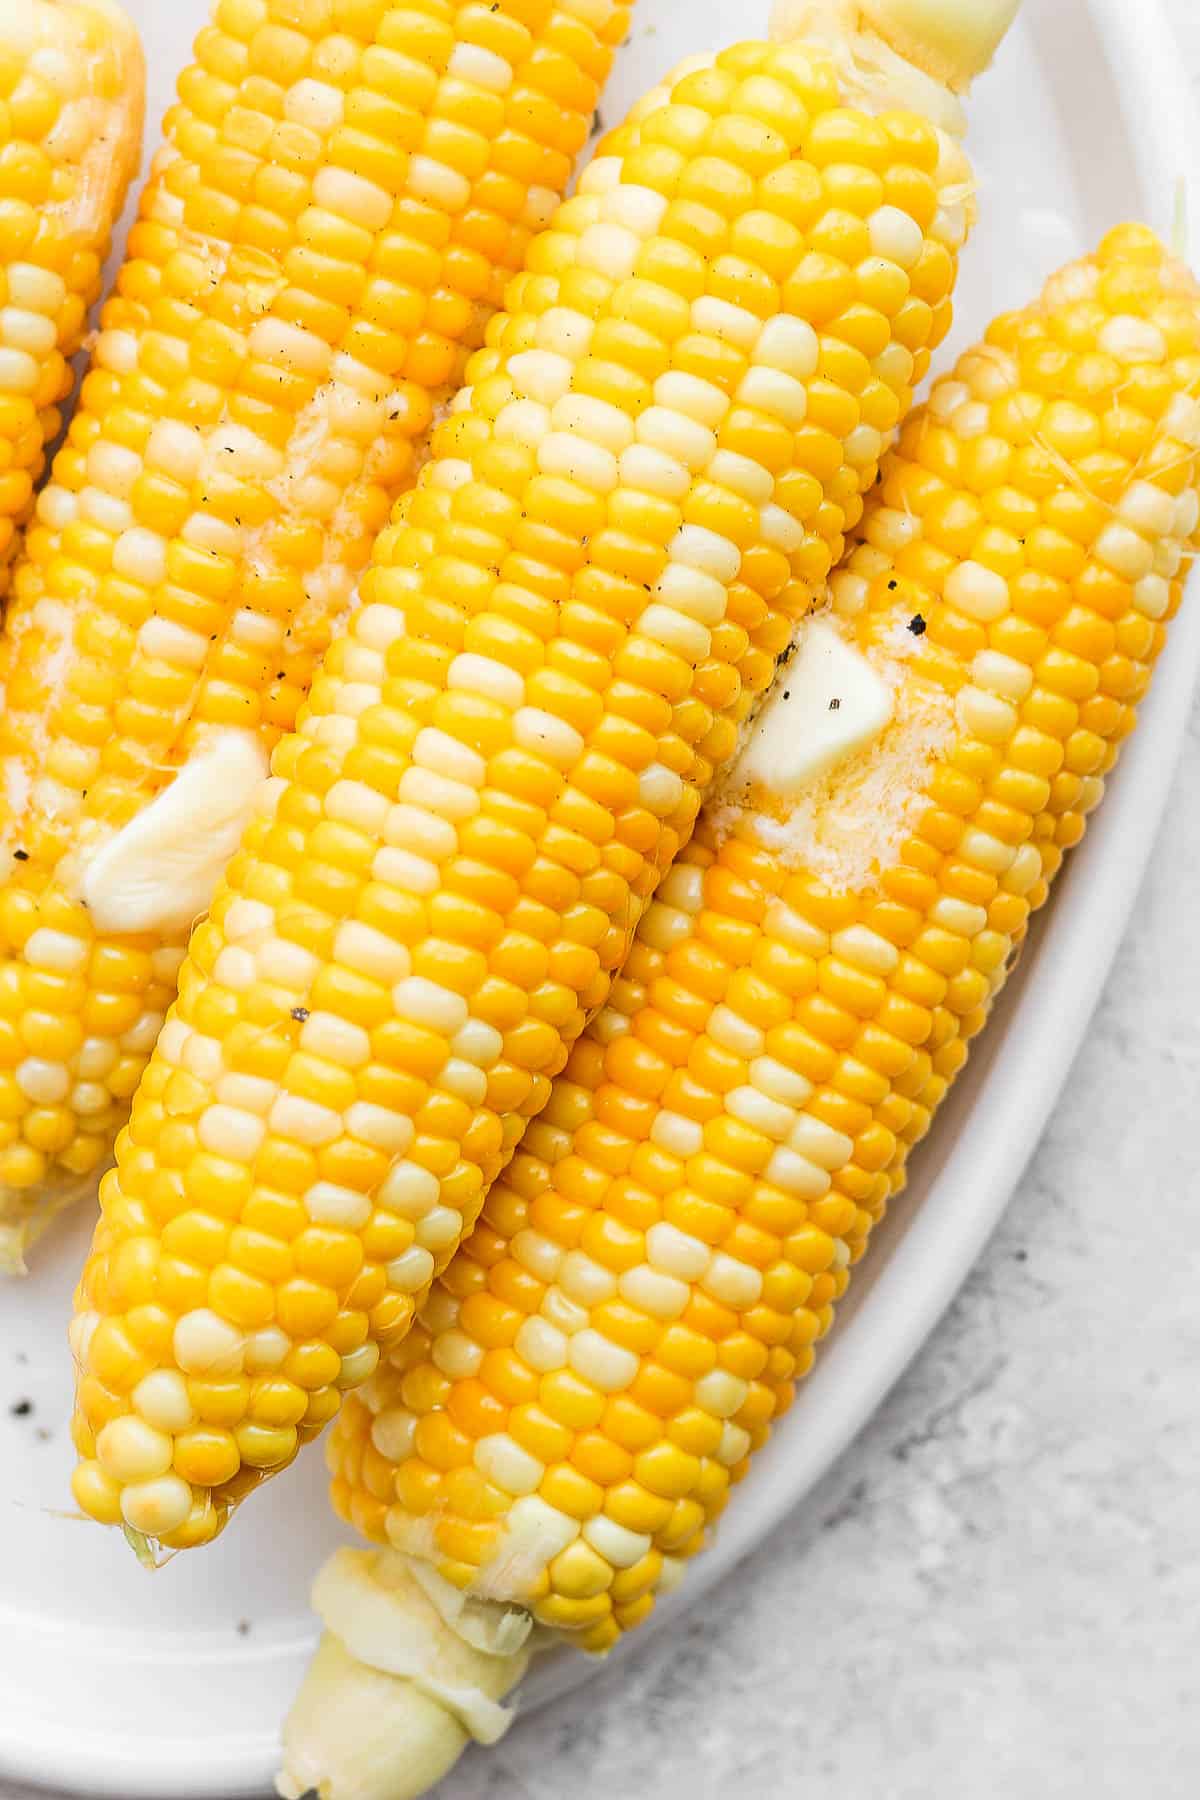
{"type": "Point", "coordinates": [820, 1143]}
{"type": "Point", "coordinates": [610, 249]}
{"type": "Point", "coordinates": [162, 1400]}
{"type": "Point", "coordinates": [430, 1004]}
{"type": "Point", "coordinates": [575, 459]}
{"type": "Point", "coordinates": [598, 420]}
{"type": "Point", "coordinates": [721, 1393]}
{"type": "Point", "coordinates": [483, 675]}
{"type": "Point", "coordinates": [653, 471]}
{"type": "Point", "coordinates": [1002, 675]}
{"type": "Point", "coordinates": [606, 1365]}
{"type": "Point", "coordinates": [546, 735]}
{"type": "Point", "coordinates": [42, 1081]}
{"type": "Point", "coordinates": [205, 1344]}
{"type": "Point", "coordinates": [734, 1284]}
{"type": "Point", "coordinates": [584, 1280]}
{"type": "Point", "coordinates": [775, 1079]}
{"type": "Point", "coordinates": [1152, 596]}
{"type": "Point", "coordinates": [985, 716]}
{"type": "Point", "coordinates": [662, 1296]}
{"type": "Point", "coordinates": [440, 1229]}
{"type": "Point", "coordinates": [471, 62]}
{"type": "Point", "coordinates": [231, 1133]}
{"type": "Point", "coordinates": [328, 1203]}
{"type": "Point", "coordinates": [409, 1273]}
{"type": "Point", "coordinates": [796, 1174]}
{"type": "Point", "coordinates": [734, 1446]}
{"type": "Point", "coordinates": [1132, 340]}
{"type": "Point", "coordinates": [865, 949]}
{"type": "Point", "coordinates": [676, 1252]}
{"type": "Point", "coordinates": [456, 1355]}
{"type": "Point", "coordinates": [619, 1546]}
{"type": "Point", "coordinates": [1124, 551]}
{"type": "Point", "coordinates": [729, 323]}
{"type": "Point", "coordinates": [304, 1121]}
{"type": "Point", "coordinates": [502, 1460]}
{"type": "Point", "coordinates": [672, 1132]}
{"type": "Point", "coordinates": [789, 343]}
{"type": "Point", "coordinates": [978, 592]}
{"type": "Point", "coordinates": [409, 1190]}
{"type": "Point", "coordinates": [683, 439]}
{"type": "Point", "coordinates": [691, 592]}
{"type": "Point", "coordinates": [958, 916]}
{"type": "Point", "coordinates": [156, 1508]}
{"type": "Point", "coordinates": [742, 476]}
{"type": "Point", "coordinates": [392, 1433]}
{"type": "Point", "coordinates": [728, 1029]}
{"type": "Point", "coordinates": [895, 236]}
{"type": "Point", "coordinates": [787, 926]}
{"type": "Point", "coordinates": [540, 374]}
{"type": "Point", "coordinates": [775, 393]}
{"type": "Point", "coordinates": [380, 1127]}
{"type": "Point", "coordinates": [752, 1107]}
{"type": "Point", "coordinates": [691, 397]}
{"type": "Point", "coordinates": [1148, 509]}
{"type": "Point", "coordinates": [57, 950]}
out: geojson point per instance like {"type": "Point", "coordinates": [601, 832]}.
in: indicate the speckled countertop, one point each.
{"type": "Point", "coordinates": [997, 1590]}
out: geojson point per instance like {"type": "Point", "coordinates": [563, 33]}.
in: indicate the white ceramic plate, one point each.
{"type": "Point", "coordinates": [113, 1682]}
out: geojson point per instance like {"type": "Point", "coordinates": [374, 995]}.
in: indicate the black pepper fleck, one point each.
{"type": "Point", "coordinates": [892, 586]}
{"type": "Point", "coordinates": [243, 1628]}
{"type": "Point", "coordinates": [917, 625]}
{"type": "Point", "coordinates": [21, 1409]}
{"type": "Point", "coordinates": [300, 1013]}
{"type": "Point", "coordinates": [787, 693]}
{"type": "Point", "coordinates": [835, 705]}
{"type": "Point", "coordinates": [21, 855]}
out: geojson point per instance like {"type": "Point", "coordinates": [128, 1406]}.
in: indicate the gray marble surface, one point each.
{"type": "Point", "coordinates": [997, 1590]}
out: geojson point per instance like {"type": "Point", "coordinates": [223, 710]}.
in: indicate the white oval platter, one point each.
{"type": "Point", "coordinates": [116, 1683]}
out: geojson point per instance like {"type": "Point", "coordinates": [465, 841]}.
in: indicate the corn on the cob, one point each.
{"type": "Point", "coordinates": [652, 472]}
{"type": "Point", "coordinates": [72, 95]}
{"type": "Point", "coordinates": [648, 1281]}
{"type": "Point", "coordinates": [343, 192]}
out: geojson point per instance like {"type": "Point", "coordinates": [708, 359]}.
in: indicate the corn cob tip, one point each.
{"type": "Point", "coordinates": [25, 1216]}
{"type": "Point", "coordinates": [13, 1245]}
{"type": "Point", "coordinates": [407, 1674]}
{"type": "Point", "coordinates": [951, 41]}
{"type": "Point", "coordinates": [111, 160]}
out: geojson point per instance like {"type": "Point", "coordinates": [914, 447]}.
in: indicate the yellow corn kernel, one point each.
{"type": "Point", "coordinates": [334, 218]}
{"type": "Point", "coordinates": [714, 1157]}
{"type": "Point", "coordinates": [437, 829]}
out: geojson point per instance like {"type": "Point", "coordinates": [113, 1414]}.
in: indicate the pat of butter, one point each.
{"type": "Point", "coordinates": [160, 871]}
{"type": "Point", "coordinates": [828, 704]}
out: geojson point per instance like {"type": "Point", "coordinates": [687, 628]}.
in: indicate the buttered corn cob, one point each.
{"type": "Point", "coordinates": [72, 96]}
{"type": "Point", "coordinates": [650, 476]}
{"type": "Point", "coordinates": [343, 191]}
{"type": "Point", "coordinates": [649, 1280]}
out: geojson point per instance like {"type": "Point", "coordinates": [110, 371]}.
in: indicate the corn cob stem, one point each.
{"type": "Point", "coordinates": [951, 41]}
{"type": "Point", "coordinates": [405, 1677]}
{"type": "Point", "coordinates": [649, 1280]}
{"type": "Point", "coordinates": [328, 226]}
{"type": "Point", "coordinates": [646, 483]}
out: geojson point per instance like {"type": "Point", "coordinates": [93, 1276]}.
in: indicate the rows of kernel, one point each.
{"type": "Point", "coordinates": [509, 743]}
{"type": "Point", "coordinates": [546, 1402]}
{"type": "Point", "coordinates": [333, 219]}
{"type": "Point", "coordinates": [55, 222]}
